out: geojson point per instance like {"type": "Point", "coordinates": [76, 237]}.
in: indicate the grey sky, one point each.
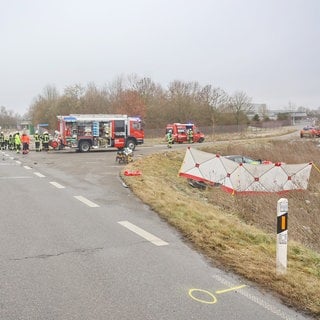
{"type": "Point", "coordinates": [269, 49]}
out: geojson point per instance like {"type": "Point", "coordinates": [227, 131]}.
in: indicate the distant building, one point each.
{"type": "Point", "coordinates": [296, 116]}
{"type": "Point", "coordinates": [26, 126]}
{"type": "Point", "coordinates": [262, 111]}
{"type": "Point", "coordinates": [258, 108]}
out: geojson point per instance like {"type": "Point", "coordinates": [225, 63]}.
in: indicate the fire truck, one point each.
{"type": "Point", "coordinates": [97, 131]}
{"type": "Point", "coordinates": [180, 132]}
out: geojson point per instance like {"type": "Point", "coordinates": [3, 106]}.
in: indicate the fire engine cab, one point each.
{"type": "Point", "coordinates": [97, 131]}
{"type": "Point", "coordinates": [180, 132]}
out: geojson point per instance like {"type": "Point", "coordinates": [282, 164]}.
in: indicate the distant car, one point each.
{"type": "Point", "coordinates": [310, 132]}
{"type": "Point", "coordinates": [316, 132]}
{"type": "Point", "coordinates": [244, 159]}
{"type": "Point", "coordinates": [197, 184]}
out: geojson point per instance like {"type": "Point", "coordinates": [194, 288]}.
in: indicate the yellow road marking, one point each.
{"type": "Point", "coordinates": [212, 300]}
{"type": "Point", "coordinates": [230, 289]}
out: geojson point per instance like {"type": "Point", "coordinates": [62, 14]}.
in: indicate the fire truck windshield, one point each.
{"type": "Point", "coordinates": [137, 125]}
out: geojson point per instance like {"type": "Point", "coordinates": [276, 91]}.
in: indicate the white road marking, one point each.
{"type": "Point", "coordinates": [57, 185]}
{"type": "Point", "coordinates": [18, 162]}
{"type": "Point", "coordinates": [87, 202]}
{"type": "Point", "coordinates": [144, 234]}
{"type": "Point", "coordinates": [17, 177]}
{"type": "Point", "coordinates": [27, 167]}
{"type": "Point", "coordinates": [272, 308]}
{"type": "Point", "coordinates": [40, 175]}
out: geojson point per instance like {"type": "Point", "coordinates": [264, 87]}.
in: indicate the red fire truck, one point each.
{"type": "Point", "coordinates": [180, 132]}
{"type": "Point", "coordinates": [97, 132]}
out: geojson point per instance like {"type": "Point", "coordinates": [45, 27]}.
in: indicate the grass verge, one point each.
{"type": "Point", "coordinates": [215, 223]}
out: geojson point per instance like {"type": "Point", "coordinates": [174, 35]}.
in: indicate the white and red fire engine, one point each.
{"type": "Point", "coordinates": [97, 131]}
{"type": "Point", "coordinates": [180, 132]}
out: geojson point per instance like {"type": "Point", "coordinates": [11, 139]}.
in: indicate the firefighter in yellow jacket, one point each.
{"type": "Point", "coordinates": [17, 142]}
{"type": "Point", "coordinates": [45, 141]}
{"type": "Point", "coordinates": [37, 141]}
{"type": "Point", "coordinates": [169, 138]}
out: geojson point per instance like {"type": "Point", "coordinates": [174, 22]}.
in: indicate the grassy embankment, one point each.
{"type": "Point", "coordinates": [239, 232]}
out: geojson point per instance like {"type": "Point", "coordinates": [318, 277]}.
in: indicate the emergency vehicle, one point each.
{"type": "Point", "coordinates": [97, 131]}
{"type": "Point", "coordinates": [180, 132]}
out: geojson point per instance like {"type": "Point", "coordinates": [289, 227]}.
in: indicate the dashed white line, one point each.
{"type": "Point", "coordinates": [273, 309]}
{"type": "Point", "coordinates": [40, 175]}
{"type": "Point", "coordinates": [18, 162]}
{"type": "Point", "coordinates": [57, 185]}
{"type": "Point", "coordinates": [27, 167]}
{"type": "Point", "coordinates": [17, 177]}
{"type": "Point", "coordinates": [142, 233]}
{"type": "Point", "coordinates": [86, 201]}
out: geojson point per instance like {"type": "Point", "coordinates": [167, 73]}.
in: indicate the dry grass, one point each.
{"type": "Point", "coordinates": [250, 133]}
{"type": "Point", "coordinates": [238, 232]}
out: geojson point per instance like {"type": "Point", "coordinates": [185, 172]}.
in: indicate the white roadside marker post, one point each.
{"type": "Point", "coordinates": [282, 236]}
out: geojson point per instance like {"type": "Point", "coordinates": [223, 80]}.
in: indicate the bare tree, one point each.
{"type": "Point", "coordinates": [186, 102]}
{"type": "Point", "coordinates": [95, 100]}
{"type": "Point", "coordinates": [239, 105]}
{"type": "Point", "coordinates": [43, 108]}
{"type": "Point", "coordinates": [154, 98]}
{"type": "Point", "coordinates": [8, 120]}
{"type": "Point", "coordinates": [216, 100]}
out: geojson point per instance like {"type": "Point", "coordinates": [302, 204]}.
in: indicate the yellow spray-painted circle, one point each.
{"type": "Point", "coordinates": [212, 299]}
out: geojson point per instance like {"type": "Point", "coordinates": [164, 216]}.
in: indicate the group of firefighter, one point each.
{"type": "Point", "coordinates": [21, 142]}
{"type": "Point", "coordinates": [169, 137]}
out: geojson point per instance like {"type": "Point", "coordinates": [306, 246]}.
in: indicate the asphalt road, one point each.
{"type": "Point", "coordinates": [77, 244]}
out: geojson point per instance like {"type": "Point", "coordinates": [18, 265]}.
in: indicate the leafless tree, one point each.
{"type": "Point", "coordinates": [8, 120]}
{"type": "Point", "coordinates": [216, 100]}
{"type": "Point", "coordinates": [43, 108]}
{"type": "Point", "coordinates": [239, 105]}
{"type": "Point", "coordinates": [180, 102]}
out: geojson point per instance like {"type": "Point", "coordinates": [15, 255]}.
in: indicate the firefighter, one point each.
{"type": "Point", "coordinates": [190, 135]}
{"type": "Point", "coordinates": [45, 141]}
{"type": "Point", "coordinates": [1, 141]}
{"type": "Point", "coordinates": [11, 142]}
{"type": "Point", "coordinates": [25, 139]}
{"type": "Point", "coordinates": [6, 142]}
{"type": "Point", "coordinates": [169, 139]}
{"type": "Point", "coordinates": [37, 141]}
{"type": "Point", "coordinates": [17, 142]}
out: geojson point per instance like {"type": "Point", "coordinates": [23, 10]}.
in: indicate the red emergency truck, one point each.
{"type": "Point", "coordinates": [180, 132]}
{"type": "Point", "coordinates": [97, 131]}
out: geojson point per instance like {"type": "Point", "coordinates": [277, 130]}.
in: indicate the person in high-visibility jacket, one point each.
{"type": "Point", "coordinates": [6, 142]}
{"type": "Point", "coordinates": [190, 135]}
{"type": "Point", "coordinates": [25, 139]}
{"type": "Point", "coordinates": [11, 142]}
{"type": "Point", "coordinates": [169, 139]}
{"type": "Point", "coordinates": [37, 141]}
{"type": "Point", "coordinates": [17, 142]}
{"type": "Point", "coordinates": [45, 141]}
{"type": "Point", "coordinates": [1, 141]}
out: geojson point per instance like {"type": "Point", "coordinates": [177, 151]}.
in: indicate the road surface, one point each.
{"type": "Point", "coordinates": [77, 244]}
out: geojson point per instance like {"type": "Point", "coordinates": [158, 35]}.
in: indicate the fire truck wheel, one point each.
{"type": "Point", "coordinates": [131, 144]}
{"type": "Point", "coordinates": [84, 146]}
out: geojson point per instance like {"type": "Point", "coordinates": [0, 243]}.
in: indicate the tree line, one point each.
{"type": "Point", "coordinates": [134, 96]}
{"type": "Point", "coordinates": [8, 119]}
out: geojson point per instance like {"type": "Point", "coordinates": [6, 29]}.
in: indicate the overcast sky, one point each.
{"type": "Point", "coordinates": [270, 49]}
